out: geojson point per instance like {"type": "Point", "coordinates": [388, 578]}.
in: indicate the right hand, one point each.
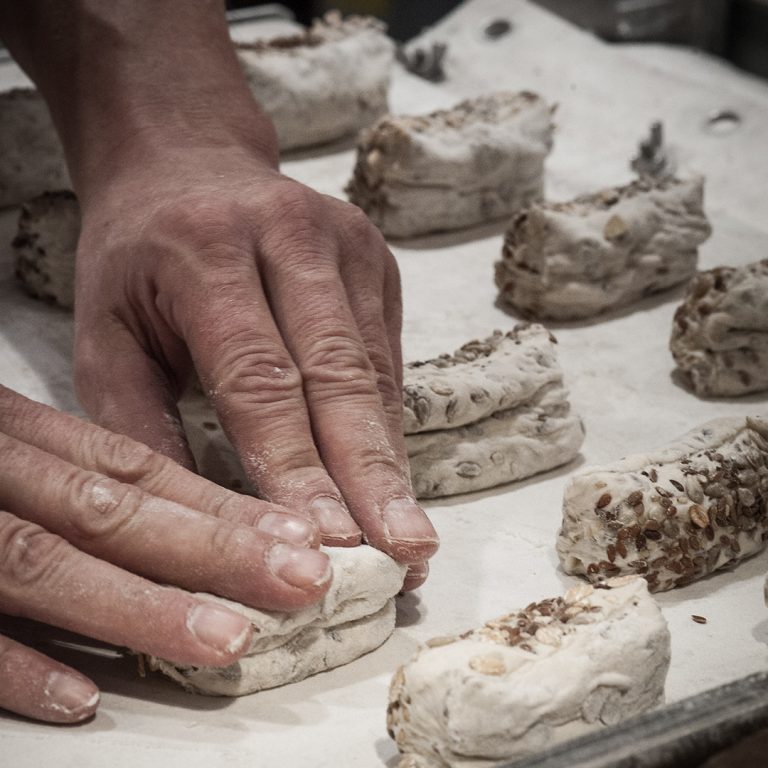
{"type": "Point", "coordinates": [91, 523]}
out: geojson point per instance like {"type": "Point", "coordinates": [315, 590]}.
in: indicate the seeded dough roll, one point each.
{"type": "Point", "coordinates": [674, 514]}
{"type": "Point", "coordinates": [495, 411]}
{"type": "Point", "coordinates": [574, 260]}
{"type": "Point", "coordinates": [481, 160]}
{"type": "Point", "coordinates": [551, 672]}
{"type": "Point", "coordinates": [356, 615]}
{"type": "Point", "coordinates": [322, 84]}
{"type": "Point", "coordinates": [720, 333]}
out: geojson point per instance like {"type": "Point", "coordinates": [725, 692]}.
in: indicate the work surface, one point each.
{"type": "Point", "coordinates": [497, 548]}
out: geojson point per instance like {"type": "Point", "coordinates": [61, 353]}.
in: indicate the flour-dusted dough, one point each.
{"type": "Point", "coordinates": [31, 158]}
{"type": "Point", "coordinates": [673, 514]}
{"type": "Point", "coordinates": [573, 260]}
{"type": "Point", "coordinates": [481, 160]}
{"type": "Point", "coordinates": [356, 615]}
{"type": "Point", "coordinates": [323, 84]}
{"type": "Point", "coordinates": [542, 675]}
{"type": "Point", "coordinates": [493, 412]}
{"type": "Point", "coordinates": [720, 333]}
{"type": "Point", "coordinates": [45, 246]}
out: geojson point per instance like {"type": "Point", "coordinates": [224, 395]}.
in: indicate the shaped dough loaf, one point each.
{"type": "Point", "coordinates": [545, 674]}
{"type": "Point", "coordinates": [573, 260]}
{"type": "Point", "coordinates": [720, 333]}
{"type": "Point", "coordinates": [493, 412]}
{"type": "Point", "coordinates": [481, 160]}
{"type": "Point", "coordinates": [324, 84]}
{"type": "Point", "coordinates": [356, 615]}
{"type": "Point", "coordinates": [672, 515]}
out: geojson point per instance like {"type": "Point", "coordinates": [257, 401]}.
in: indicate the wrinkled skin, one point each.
{"type": "Point", "coordinates": [196, 255]}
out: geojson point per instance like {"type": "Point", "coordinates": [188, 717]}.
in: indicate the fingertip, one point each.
{"type": "Point", "coordinates": [69, 697]}
{"type": "Point", "coordinates": [336, 525]}
{"type": "Point", "coordinates": [415, 576]}
{"type": "Point", "coordinates": [408, 535]}
{"type": "Point", "coordinates": [306, 569]}
{"type": "Point", "coordinates": [220, 630]}
{"type": "Point", "coordinates": [290, 528]}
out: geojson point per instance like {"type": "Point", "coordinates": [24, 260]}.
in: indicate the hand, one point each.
{"type": "Point", "coordinates": [91, 522]}
{"type": "Point", "coordinates": [286, 302]}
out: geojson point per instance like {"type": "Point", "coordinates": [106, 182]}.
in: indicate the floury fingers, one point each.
{"type": "Point", "coordinates": [674, 514]}
{"type": "Point", "coordinates": [551, 672]}
{"type": "Point", "coordinates": [479, 161]}
{"type": "Point", "coordinates": [568, 261]}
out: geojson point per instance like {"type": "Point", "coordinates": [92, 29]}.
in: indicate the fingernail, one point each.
{"type": "Point", "coordinates": [71, 694]}
{"type": "Point", "coordinates": [289, 527]}
{"type": "Point", "coordinates": [406, 521]}
{"type": "Point", "coordinates": [332, 519]}
{"type": "Point", "coordinates": [302, 568]}
{"type": "Point", "coordinates": [219, 628]}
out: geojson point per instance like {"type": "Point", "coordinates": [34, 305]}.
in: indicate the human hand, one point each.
{"type": "Point", "coordinates": [286, 302]}
{"type": "Point", "coordinates": [92, 522]}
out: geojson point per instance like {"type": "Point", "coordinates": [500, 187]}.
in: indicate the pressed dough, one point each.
{"type": "Point", "coordinates": [720, 332]}
{"type": "Point", "coordinates": [553, 671]}
{"type": "Point", "coordinates": [574, 260]}
{"type": "Point", "coordinates": [675, 514]}
{"type": "Point", "coordinates": [356, 615]}
{"type": "Point", "coordinates": [481, 160]}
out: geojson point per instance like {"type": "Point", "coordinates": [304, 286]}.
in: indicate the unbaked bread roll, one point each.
{"type": "Point", "coordinates": [548, 673]}
{"type": "Point", "coordinates": [495, 411]}
{"type": "Point", "coordinates": [720, 333]}
{"type": "Point", "coordinates": [674, 514]}
{"type": "Point", "coordinates": [356, 615]}
{"type": "Point", "coordinates": [481, 160]}
{"type": "Point", "coordinates": [322, 84]}
{"type": "Point", "coordinates": [569, 261]}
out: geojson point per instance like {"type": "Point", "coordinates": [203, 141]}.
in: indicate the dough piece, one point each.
{"type": "Point", "coordinates": [493, 412]}
{"type": "Point", "coordinates": [720, 333]}
{"type": "Point", "coordinates": [551, 672]}
{"type": "Point", "coordinates": [356, 616]}
{"type": "Point", "coordinates": [31, 158]}
{"type": "Point", "coordinates": [569, 261]}
{"type": "Point", "coordinates": [481, 160]}
{"type": "Point", "coordinates": [323, 84]}
{"type": "Point", "coordinates": [45, 246]}
{"type": "Point", "coordinates": [674, 514]}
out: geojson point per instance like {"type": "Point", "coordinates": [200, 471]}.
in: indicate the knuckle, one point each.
{"type": "Point", "coordinates": [340, 361]}
{"type": "Point", "coordinates": [29, 555]}
{"type": "Point", "coordinates": [255, 368]}
{"type": "Point", "coordinates": [102, 506]}
{"type": "Point", "coordinates": [124, 459]}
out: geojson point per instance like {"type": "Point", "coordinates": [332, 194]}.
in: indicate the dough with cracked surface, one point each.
{"type": "Point", "coordinates": [356, 615]}
{"type": "Point", "coordinates": [675, 514]}
{"type": "Point", "coordinates": [720, 332]}
{"type": "Point", "coordinates": [551, 672]}
{"type": "Point", "coordinates": [479, 161]}
{"type": "Point", "coordinates": [569, 261]}
{"type": "Point", "coordinates": [495, 411]}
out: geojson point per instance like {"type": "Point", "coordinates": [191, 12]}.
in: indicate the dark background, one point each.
{"type": "Point", "coordinates": [734, 29]}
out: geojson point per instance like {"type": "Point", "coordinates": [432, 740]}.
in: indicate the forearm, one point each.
{"type": "Point", "coordinates": [122, 78]}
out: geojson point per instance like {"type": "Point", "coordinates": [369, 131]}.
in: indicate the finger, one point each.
{"type": "Point", "coordinates": [159, 539]}
{"type": "Point", "coordinates": [35, 686]}
{"type": "Point", "coordinates": [415, 576]}
{"type": "Point", "coordinates": [43, 577]}
{"type": "Point", "coordinates": [126, 391]}
{"type": "Point", "coordinates": [257, 392]}
{"type": "Point", "coordinates": [347, 413]}
{"type": "Point", "coordinates": [128, 461]}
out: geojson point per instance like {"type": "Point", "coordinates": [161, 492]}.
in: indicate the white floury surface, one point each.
{"type": "Point", "coordinates": [498, 546]}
